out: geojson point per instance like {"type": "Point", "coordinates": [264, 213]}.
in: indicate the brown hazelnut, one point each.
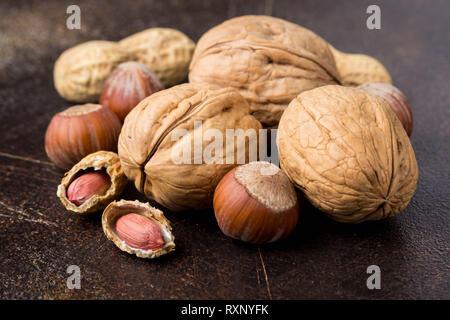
{"type": "Point", "coordinates": [396, 99]}
{"type": "Point", "coordinates": [127, 85]}
{"type": "Point", "coordinates": [80, 130]}
{"type": "Point", "coordinates": [256, 203]}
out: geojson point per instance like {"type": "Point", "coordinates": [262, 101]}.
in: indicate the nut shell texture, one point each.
{"type": "Point", "coordinates": [396, 99]}
{"type": "Point", "coordinates": [347, 151]}
{"type": "Point", "coordinates": [97, 161]}
{"type": "Point", "coordinates": [81, 71]}
{"type": "Point", "coordinates": [167, 52]}
{"type": "Point", "coordinates": [148, 141]}
{"type": "Point", "coordinates": [269, 60]}
{"type": "Point", "coordinates": [357, 69]}
{"type": "Point", "coordinates": [115, 210]}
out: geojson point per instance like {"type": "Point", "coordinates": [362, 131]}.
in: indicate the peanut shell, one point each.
{"type": "Point", "coordinates": [81, 71]}
{"type": "Point", "coordinates": [99, 160]}
{"type": "Point", "coordinates": [357, 69]}
{"type": "Point", "coordinates": [166, 52]}
{"type": "Point", "coordinates": [117, 209]}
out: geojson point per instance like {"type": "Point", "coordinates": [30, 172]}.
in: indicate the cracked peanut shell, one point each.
{"type": "Point", "coordinates": [269, 60]}
{"type": "Point", "coordinates": [110, 162]}
{"type": "Point", "coordinates": [115, 210]}
{"type": "Point", "coordinates": [151, 136]}
{"type": "Point", "coordinates": [167, 52]}
{"type": "Point", "coordinates": [348, 152]}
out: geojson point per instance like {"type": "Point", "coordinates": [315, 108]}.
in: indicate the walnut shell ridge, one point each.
{"type": "Point", "coordinates": [146, 143]}
{"type": "Point", "coordinates": [80, 72]}
{"type": "Point", "coordinates": [348, 152]}
{"type": "Point", "coordinates": [269, 60]}
{"type": "Point", "coordinates": [98, 160]}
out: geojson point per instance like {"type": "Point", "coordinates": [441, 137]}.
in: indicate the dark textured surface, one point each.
{"type": "Point", "coordinates": [322, 259]}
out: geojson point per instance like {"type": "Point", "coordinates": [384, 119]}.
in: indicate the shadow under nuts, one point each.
{"type": "Point", "coordinates": [256, 203]}
{"type": "Point", "coordinates": [348, 152]}
{"type": "Point", "coordinates": [269, 60]}
{"type": "Point", "coordinates": [157, 144]}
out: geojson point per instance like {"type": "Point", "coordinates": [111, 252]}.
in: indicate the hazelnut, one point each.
{"type": "Point", "coordinates": [80, 130]}
{"type": "Point", "coordinates": [139, 232]}
{"type": "Point", "coordinates": [88, 185]}
{"type": "Point", "coordinates": [127, 85]}
{"type": "Point", "coordinates": [396, 100]}
{"type": "Point", "coordinates": [256, 203]}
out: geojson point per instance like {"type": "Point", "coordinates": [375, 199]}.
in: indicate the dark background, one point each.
{"type": "Point", "coordinates": [39, 239]}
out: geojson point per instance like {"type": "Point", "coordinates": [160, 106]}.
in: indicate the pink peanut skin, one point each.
{"type": "Point", "coordinates": [139, 232]}
{"type": "Point", "coordinates": [88, 185]}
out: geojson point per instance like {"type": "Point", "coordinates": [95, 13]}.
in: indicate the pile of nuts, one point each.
{"type": "Point", "coordinates": [343, 131]}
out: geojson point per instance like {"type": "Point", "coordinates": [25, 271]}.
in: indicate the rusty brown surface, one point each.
{"type": "Point", "coordinates": [322, 259]}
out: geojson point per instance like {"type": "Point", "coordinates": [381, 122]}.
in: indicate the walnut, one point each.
{"type": "Point", "coordinates": [348, 152]}
{"type": "Point", "coordinates": [269, 60]}
{"type": "Point", "coordinates": [153, 133]}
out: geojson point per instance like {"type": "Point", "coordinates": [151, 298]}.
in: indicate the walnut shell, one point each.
{"type": "Point", "coordinates": [95, 161]}
{"type": "Point", "coordinates": [117, 209]}
{"type": "Point", "coordinates": [356, 69]}
{"type": "Point", "coordinates": [269, 60]}
{"type": "Point", "coordinates": [348, 152]}
{"type": "Point", "coordinates": [146, 143]}
{"type": "Point", "coordinates": [81, 71]}
{"type": "Point", "coordinates": [167, 52]}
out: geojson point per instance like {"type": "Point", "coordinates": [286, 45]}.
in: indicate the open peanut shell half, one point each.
{"type": "Point", "coordinates": [103, 162]}
{"type": "Point", "coordinates": [117, 210]}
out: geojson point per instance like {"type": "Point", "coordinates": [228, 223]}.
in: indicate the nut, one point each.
{"type": "Point", "coordinates": [268, 59]}
{"type": "Point", "coordinates": [357, 69]}
{"type": "Point", "coordinates": [138, 228]}
{"type": "Point", "coordinates": [88, 185]}
{"type": "Point", "coordinates": [81, 71]}
{"type": "Point", "coordinates": [80, 130]}
{"type": "Point", "coordinates": [348, 152]}
{"type": "Point", "coordinates": [139, 232]}
{"type": "Point", "coordinates": [256, 203]}
{"type": "Point", "coordinates": [97, 179]}
{"type": "Point", "coordinates": [167, 52]}
{"type": "Point", "coordinates": [150, 138]}
{"type": "Point", "coordinates": [127, 85]}
{"type": "Point", "coordinates": [396, 99]}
